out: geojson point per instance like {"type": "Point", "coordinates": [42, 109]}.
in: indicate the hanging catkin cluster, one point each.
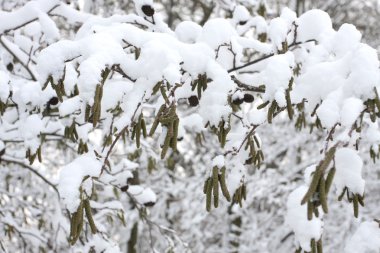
{"type": "Point", "coordinates": [316, 247]}
{"type": "Point", "coordinates": [256, 155]}
{"type": "Point", "coordinates": [168, 118]}
{"type": "Point", "coordinates": [211, 187]}
{"type": "Point", "coordinates": [76, 221]}
{"type": "Point", "coordinates": [139, 128]}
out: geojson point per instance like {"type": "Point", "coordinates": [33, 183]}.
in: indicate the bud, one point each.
{"type": "Point", "coordinates": [147, 10]}
{"type": "Point", "coordinates": [248, 98]}
{"type": "Point", "coordinates": [193, 101]}
{"type": "Point", "coordinates": [53, 101]}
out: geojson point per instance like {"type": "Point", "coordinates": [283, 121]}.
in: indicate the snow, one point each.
{"type": "Point", "coordinates": [4, 86]}
{"type": "Point", "coordinates": [349, 171]}
{"type": "Point", "coordinates": [192, 122]}
{"type": "Point", "coordinates": [347, 38]}
{"type": "Point", "coordinates": [31, 127]}
{"type": "Point", "coordinates": [71, 177]}
{"type": "Point", "coordinates": [277, 32]}
{"type": "Point", "coordinates": [328, 113]}
{"type": "Point", "coordinates": [188, 32]}
{"type": "Point", "coordinates": [142, 195]}
{"type": "Point", "coordinates": [213, 36]}
{"type": "Point", "coordinates": [338, 74]}
{"type": "Point", "coordinates": [29, 12]}
{"type": "Point", "coordinates": [69, 106]}
{"type": "Point", "coordinates": [351, 109]}
{"type": "Point", "coordinates": [218, 161]}
{"type": "Point", "coordinates": [241, 14]}
{"type": "Point", "coordinates": [277, 74]}
{"type": "Point", "coordinates": [312, 25]}
{"type": "Point", "coordinates": [49, 28]}
{"type": "Point", "coordinates": [304, 230]}
{"type": "Point", "coordinates": [366, 239]}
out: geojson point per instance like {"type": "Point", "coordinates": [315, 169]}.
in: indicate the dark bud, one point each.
{"type": "Point", "coordinates": [149, 204]}
{"type": "Point", "coordinates": [124, 188]}
{"type": "Point", "coordinates": [148, 10]}
{"type": "Point", "coordinates": [248, 98]}
{"type": "Point", "coordinates": [243, 22]}
{"type": "Point", "coordinates": [249, 161]}
{"type": "Point", "coordinates": [10, 66]}
{"type": "Point", "coordinates": [2, 152]}
{"type": "Point", "coordinates": [53, 101]}
{"type": "Point", "coordinates": [238, 101]}
{"type": "Point", "coordinates": [180, 138]}
{"type": "Point", "coordinates": [193, 101]}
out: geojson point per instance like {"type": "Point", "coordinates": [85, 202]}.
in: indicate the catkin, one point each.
{"type": "Point", "coordinates": [318, 174]}
{"type": "Point", "coordinates": [90, 219]}
{"type": "Point", "coordinates": [215, 180]}
{"type": "Point", "coordinates": [310, 210]}
{"type": "Point", "coordinates": [208, 195]}
{"type": "Point", "coordinates": [223, 185]}
{"type": "Point", "coordinates": [165, 147]}
{"type": "Point", "coordinates": [319, 246]}
{"type": "Point", "coordinates": [356, 206]}
{"type": "Point", "coordinates": [322, 195]}
{"type": "Point", "coordinates": [329, 180]}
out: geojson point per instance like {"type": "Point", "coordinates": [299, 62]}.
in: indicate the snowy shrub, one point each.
{"type": "Point", "coordinates": [112, 126]}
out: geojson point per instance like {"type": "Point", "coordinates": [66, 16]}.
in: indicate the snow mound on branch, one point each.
{"type": "Point", "coordinates": [278, 30]}
{"type": "Point", "coordinates": [241, 13]}
{"type": "Point", "coordinates": [312, 24]}
{"type": "Point", "coordinates": [188, 31]}
{"type": "Point", "coordinates": [71, 177]}
{"type": "Point", "coordinates": [304, 230]}
{"type": "Point", "coordinates": [349, 171]}
{"type": "Point", "coordinates": [217, 32]}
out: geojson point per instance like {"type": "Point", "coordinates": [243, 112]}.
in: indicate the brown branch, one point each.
{"type": "Point", "coordinates": [30, 168]}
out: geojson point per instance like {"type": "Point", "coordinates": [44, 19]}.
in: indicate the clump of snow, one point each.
{"type": "Point", "coordinates": [351, 109]}
{"type": "Point", "coordinates": [347, 38]}
{"type": "Point", "coordinates": [188, 31]}
{"type": "Point", "coordinates": [312, 24]}
{"type": "Point", "coordinates": [308, 174]}
{"type": "Point", "coordinates": [277, 32]}
{"type": "Point", "coordinates": [142, 195]}
{"type": "Point", "coordinates": [366, 239]}
{"type": "Point", "coordinates": [304, 230]}
{"type": "Point", "coordinates": [289, 16]}
{"type": "Point", "coordinates": [217, 32]}
{"type": "Point", "coordinates": [218, 161]}
{"type": "Point", "coordinates": [31, 127]}
{"type": "Point", "coordinates": [71, 177]}
{"type": "Point", "coordinates": [193, 123]}
{"type": "Point", "coordinates": [69, 106]}
{"type": "Point", "coordinates": [328, 113]}
{"type": "Point", "coordinates": [4, 86]}
{"type": "Point", "coordinates": [277, 74]}
{"type": "Point", "coordinates": [48, 27]}
{"type": "Point", "coordinates": [241, 14]}
{"type": "Point", "coordinates": [349, 171]}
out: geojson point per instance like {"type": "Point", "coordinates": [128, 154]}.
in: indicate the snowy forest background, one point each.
{"type": "Point", "coordinates": [189, 126]}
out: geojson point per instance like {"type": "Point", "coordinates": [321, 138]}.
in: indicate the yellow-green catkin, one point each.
{"type": "Point", "coordinates": [90, 219]}
{"type": "Point", "coordinates": [223, 185]}
{"type": "Point", "coordinates": [215, 180]}
{"type": "Point", "coordinates": [208, 195]}
{"type": "Point", "coordinates": [322, 195]}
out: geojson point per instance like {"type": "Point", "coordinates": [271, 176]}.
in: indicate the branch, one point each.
{"type": "Point", "coordinates": [294, 44]}
{"type": "Point", "coordinates": [248, 87]}
{"type": "Point", "coordinates": [20, 17]}
{"type": "Point", "coordinates": [26, 67]}
{"type": "Point", "coordinates": [34, 171]}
